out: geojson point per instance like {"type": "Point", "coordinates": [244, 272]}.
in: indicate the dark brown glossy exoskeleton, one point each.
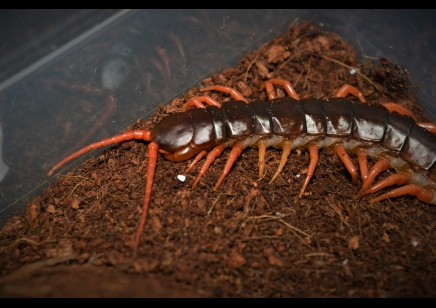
{"type": "Point", "coordinates": [392, 140]}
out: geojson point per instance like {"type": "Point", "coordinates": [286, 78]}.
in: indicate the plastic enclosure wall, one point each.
{"type": "Point", "coordinates": [124, 54]}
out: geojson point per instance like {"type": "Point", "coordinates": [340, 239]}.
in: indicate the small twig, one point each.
{"type": "Point", "coordinates": [361, 50]}
{"type": "Point", "coordinates": [23, 239]}
{"type": "Point", "coordinates": [334, 207]}
{"type": "Point", "coordinates": [213, 204]}
{"type": "Point", "coordinates": [286, 62]}
{"type": "Point", "coordinates": [317, 254]}
{"type": "Point", "coordinates": [245, 239]}
{"type": "Point", "coordinates": [71, 192]}
{"type": "Point", "coordinates": [293, 228]}
{"type": "Point", "coordinates": [290, 26]}
{"type": "Point", "coordinates": [249, 67]}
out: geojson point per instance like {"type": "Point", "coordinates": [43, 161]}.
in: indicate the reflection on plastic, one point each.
{"type": "Point", "coordinates": [3, 167]}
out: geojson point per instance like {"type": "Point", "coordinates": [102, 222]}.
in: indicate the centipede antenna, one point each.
{"type": "Point", "coordinates": [133, 134]}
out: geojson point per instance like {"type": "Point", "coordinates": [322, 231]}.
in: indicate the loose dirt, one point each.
{"type": "Point", "coordinates": [247, 239]}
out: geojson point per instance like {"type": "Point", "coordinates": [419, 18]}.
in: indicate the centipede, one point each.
{"type": "Point", "coordinates": [388, 134]}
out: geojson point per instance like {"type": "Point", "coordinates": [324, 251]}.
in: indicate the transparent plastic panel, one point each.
{"type": "Point", "coordinates": [99, 81]}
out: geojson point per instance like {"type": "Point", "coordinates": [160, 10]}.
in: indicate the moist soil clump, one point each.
{"type": "Point", "coordinates": [247, 239]}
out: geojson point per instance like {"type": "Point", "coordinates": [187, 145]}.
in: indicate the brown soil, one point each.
{"type": "Point", "coordinates": [249, 238]}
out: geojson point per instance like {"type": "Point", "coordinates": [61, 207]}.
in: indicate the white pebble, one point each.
{"type": "Point", "coordinates": [181, 177]}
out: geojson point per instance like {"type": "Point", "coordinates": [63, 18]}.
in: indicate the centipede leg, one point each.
{"type": "Point", "coordinates": [347, 89]}
{"type": "Point", "coordinates": [343, 156]}
{"type": "Point", "coordinates": [421, 193]}
{"type": "Point", "coordinates": [233, 92]}
{"type": "Point", "coordinates": [234, 153]}
{"type": "Point", "coordinates": [199, 100]}
{"type": "Point", "coordinates": [196, 160]}
{"type": "Point", "coordinates": [278, 81]}
{"type": "Point", "coordinates": [378, 168]}
{"type": "Point", "coordinates": [216, 151]}
{"type": "Point", "coordinates": [262, 153]}
{"type": "Point", "coordinates": [394, 179]}
{"type": "Point", "coordinates": [287, 146]}
{"type": "Point", "coordinates": [270, 91]}
{"type": "Point", "coordinates": [313, 152]}
{"type": "Point", "coordinates": [392, 107]}
{"type": "Point", "coordinates": [362, 158]}
{"type": "Point", "coordinates": [152, 159]}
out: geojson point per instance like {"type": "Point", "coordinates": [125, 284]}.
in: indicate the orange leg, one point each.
{"type": "Point", "coordinates": [378, 168]}
{"type": "Point", "coordinates": [392, 107]}
{"type": "Point", "coordinates": [197, 102]}
{"type": "Point", "coordinates": [233, 92]}
{"type": "Point", "coordinates": [348, 89]}
{"type": "Point", "coordinates": [313, 151]}
{"type": "Point", "coordinates": [269, 90]}
{"type": "Point", "coordinates": [152, 159]}
{"type": "Point", "coordinates": [196, 160]}
{"type": "Point", "coordinates": [362, 158]}
{"type": "Point", "coordinates": [421, 193]}
{"type": "Point", "coordinates": [342, 154]}
{"type": "Point", "coordinates": [286, 151]}
{"type": "Point", "coordinates": [236, 151]}
{"type": "Point", "coordinates": [133, 134]}
{"type": "Point", "coordinates": [278, 81]}
{"type": "Point", "coordinates": [394, 179]}
{"type": "Point", "coordinates": [216, 151]}
{"type": "Point", "coordinates": [262, 153]}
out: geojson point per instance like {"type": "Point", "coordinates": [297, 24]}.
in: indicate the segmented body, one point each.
{"type": "Point", "coordinates": [410, 147]}
{"type": "Point", "coordinates": [393, 140]}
